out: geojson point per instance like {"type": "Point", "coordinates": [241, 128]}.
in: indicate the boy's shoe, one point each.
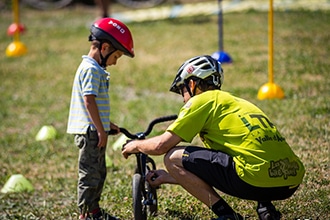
{"type": "Point", "coordinates": [234, 216]}
{"type": "Point", "coordinates": [101, 215]}
{"type": "Point", "coordinates": [81, 217]}
{"type": "Point", "coordinates": [268, 213]}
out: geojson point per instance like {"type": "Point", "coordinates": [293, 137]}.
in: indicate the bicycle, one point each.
{"type": "Point", "coordinates": [144, 195]}
{"type": "Point", "coordinates": [47, 4]}
{"type": "Point", "coordinates": [57, 4]}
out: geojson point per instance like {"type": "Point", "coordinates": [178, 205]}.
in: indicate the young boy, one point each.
{"type": "Point", "coordinates": [89, 116]}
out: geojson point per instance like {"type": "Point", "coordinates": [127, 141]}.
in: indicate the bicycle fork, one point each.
{"type": "Point", "coordinates": [142, 168]}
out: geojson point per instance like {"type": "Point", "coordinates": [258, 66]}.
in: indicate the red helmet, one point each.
{"type": "Point", "coordinates": [116, 32]}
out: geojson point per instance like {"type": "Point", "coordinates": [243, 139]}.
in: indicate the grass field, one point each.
{"type": "Point", "coordinates": [36, 88]}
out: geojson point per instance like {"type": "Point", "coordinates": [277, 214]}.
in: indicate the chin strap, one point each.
{"type": "Point", "coordinates": [104, 59]}
{"type": "Point", "coordinates": [191, 93]}
{"type": "Point", "coordinates": [103, 63]}
{"type": "Point", "coordinates": [188, 88]}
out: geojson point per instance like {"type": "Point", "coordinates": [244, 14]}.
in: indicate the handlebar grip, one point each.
{"type": "Point", "coordinates": [159, 120]}
{"type": "Point", "coordinates": [128, 134]}
{"type": "Point", "coordinates": [147, 132]}
{"type": "Point", "coordinates": [112, 132]}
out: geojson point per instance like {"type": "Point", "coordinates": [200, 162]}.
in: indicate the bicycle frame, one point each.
{"type": "Point", "coordinates": [144, 196]}
{"type": "Point", "coordinates": [57, 4]}
{"type": "Point", "coordinates": [142, 168]}
{"type": "Point", "coordinates": [142, 161]}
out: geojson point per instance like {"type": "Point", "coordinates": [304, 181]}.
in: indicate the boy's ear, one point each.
{"type": "Point", "coordinates": [107, 45]}
{"type": "Point", "coordinates": [104, 45]}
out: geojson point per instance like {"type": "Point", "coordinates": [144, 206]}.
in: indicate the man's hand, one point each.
{"type": "Point", "coordinates": [129, 148]}
{"type": "Point", "coordinates": [157, 177]}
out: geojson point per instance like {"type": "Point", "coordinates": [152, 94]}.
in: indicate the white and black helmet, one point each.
{"type": "Point", "coordinates": [200, 67]}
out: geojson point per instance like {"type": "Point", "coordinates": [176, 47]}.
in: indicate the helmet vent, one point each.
{"type": "Point", "coordinates": [207, 67]}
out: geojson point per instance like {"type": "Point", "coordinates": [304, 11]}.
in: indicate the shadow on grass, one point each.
{"type": "Point", "coordinates": [175, 214]}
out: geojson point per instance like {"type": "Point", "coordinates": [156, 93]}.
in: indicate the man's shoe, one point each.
{"type": "Point", "coordinates": [234, 216]}
{"type": "Point", "coordinates": [268, 213]}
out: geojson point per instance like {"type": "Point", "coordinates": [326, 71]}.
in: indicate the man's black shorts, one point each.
{"type": "Point", "coordinates": [218, 170]}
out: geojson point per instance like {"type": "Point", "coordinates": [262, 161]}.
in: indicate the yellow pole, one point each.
{"type": "Point", "coordinates": [270, 90]}
{"type": "Point", "coordinates": [16, 19]}
{"type": "Point", "coordinates": [271, 42]}
{"type": "Point", "coordinates": [16, 48]}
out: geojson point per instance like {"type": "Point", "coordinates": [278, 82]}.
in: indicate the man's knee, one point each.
{"type": "Point", "coordinates": [173, 157]}
{"type": "Point", "coordinates": [167, 158]}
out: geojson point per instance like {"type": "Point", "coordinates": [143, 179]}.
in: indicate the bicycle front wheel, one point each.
{"type": "Point", "coordinates": [140, 3]}
{"type": "Point", "coordinates": [139, 209]}
{"type": "Point", "coordinates": [151, 192]}
{"type": "Point", "coordinates": [152, 196]}
{"type": "Point", "coordinates": [48, 4]}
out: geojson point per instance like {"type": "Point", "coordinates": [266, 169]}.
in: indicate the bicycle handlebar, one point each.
{"type": "Point", "coordinates": [149, 128]}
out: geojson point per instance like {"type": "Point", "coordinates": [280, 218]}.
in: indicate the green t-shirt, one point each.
{"type": "Point", "coordinates": [237, 127]}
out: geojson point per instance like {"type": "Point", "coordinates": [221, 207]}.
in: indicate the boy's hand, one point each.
{"type": "Point", "coordinates": [114, 129]}
{"type": "Point", "coordinates": [103, 139]}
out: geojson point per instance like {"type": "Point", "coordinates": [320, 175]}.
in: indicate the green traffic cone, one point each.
{"type": "Point", "coordinates": [108, 161]}
{"type": "Point", "coordinates": [118, 144]}
{"type": "Point", "coordinates": [17, 183]}
{"type": "Point", "coordinates": [47, 132]}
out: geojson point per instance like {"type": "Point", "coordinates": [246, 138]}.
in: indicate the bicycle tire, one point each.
{"type": "Point", "coordinates": [139, 210]}
{"type": "Point", "coordinates": [48, 4]}
{"type": "Point", "coordinates": [153, 209]}
{"type": "Point", "coordinates": [140, 3]}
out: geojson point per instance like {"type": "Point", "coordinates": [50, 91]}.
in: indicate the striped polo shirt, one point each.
{"type": "Point", "coordinates": [90, 79]}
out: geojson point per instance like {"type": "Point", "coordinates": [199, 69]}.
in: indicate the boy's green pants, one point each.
{"type": "Point", "coordinates": [91, 169]}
